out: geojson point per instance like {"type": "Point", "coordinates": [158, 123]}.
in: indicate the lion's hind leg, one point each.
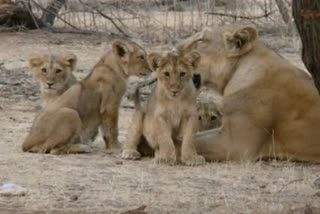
{"type": "Point", "coordinates": [62, 128]}
{"type": "Point", "coordinates": [66, 130]}
{"type": "Point", "coordinates": [238, 139]}
{"type": "Point", "coordinates": [32, 143]}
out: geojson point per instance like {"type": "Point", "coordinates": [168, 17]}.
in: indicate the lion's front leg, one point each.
{"type": "Point", "coordinates": [189, 154]}
{"type": "Point", "coordinates": [133, 138]}
{"type": "Point", "coordinates": [110, 127]}
{"type": "Point", "coordinates": [160, 139]}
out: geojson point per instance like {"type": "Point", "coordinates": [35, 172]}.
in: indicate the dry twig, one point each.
{"type": "Point", "coordinates": [107, 17]}
{"type": "Point", "coordinates": [241, 17]}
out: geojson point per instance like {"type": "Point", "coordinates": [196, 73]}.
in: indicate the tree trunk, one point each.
{"type": "Point", "coordinates": [53, 8]}
{"type": "Point", "coordinates": [306, 14]}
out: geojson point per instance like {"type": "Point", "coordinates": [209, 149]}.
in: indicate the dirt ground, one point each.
{"type": "Point", "coordinates": [102, 182]}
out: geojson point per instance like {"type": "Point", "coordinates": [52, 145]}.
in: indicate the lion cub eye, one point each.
{"type": "Point", "coordinates": [199, 118]}
{"type": "Point", "coordinates": [141, 57]}
{"type": "Point", "coordinates": [167, 74]}
{"type": "Point", "coordinates": [43, 70]}
{"type": "Point", "coordinates": [58, 71]}
{"type": "Point", "coordinates": [182, 74]}
{"type": "Point", "coordinates": [213, 117]}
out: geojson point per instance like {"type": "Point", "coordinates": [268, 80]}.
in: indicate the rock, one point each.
{"type": "Point", "coordinates": [119, 162]}
{"type": "Point", "coordinates": [12, 189]}
{"type": "Point", "coordinates": [74, 198]}
{"type": "Point", "coordinates": [317, 183]}
{"type": "Point", "coordinates": [139, 210]}
{"type": "Point", "coordinates": [262, 186]}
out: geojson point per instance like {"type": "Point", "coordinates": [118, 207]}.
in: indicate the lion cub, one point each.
{"type": "Point", "coordinates": [65, 125]}
{"type": "Point", "coordinates": [170, 112]}
{"type": "Point", "coordinates": [54, 73]}
{"type": "Point", "coordinates": [209, 116]}
{"type": "Point", "coordinates": [209, 108]}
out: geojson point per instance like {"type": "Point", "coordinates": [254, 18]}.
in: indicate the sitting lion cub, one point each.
{"type": "Point", "coordinates": [54, 73]}
{"type": "Point", "coordinates": [170, 112]}
{"type": "Point", "coordinates": [67, 123]}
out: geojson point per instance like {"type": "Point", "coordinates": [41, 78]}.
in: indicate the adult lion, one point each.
{"type": "Point", "coordinates": [270, 107]}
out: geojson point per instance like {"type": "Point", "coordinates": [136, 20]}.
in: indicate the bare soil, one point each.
{"type": "Point", "coordinates": [103, 183]}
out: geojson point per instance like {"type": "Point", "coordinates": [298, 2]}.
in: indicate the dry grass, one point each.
{"type": "Point", "coordinates": [103, 183]}
{"type": "Point", "coordinates": [164, 21]}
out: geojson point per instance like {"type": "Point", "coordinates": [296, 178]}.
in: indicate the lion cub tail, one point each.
{"type": "Point", "coordinates": [136, 100]}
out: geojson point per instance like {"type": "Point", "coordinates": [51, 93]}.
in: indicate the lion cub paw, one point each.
{"type": "Point", "coordinates": [130, 154]}
{"type": "Point", "coordinates": [170, 159]}
{"type": "Point", "coordinates": [72, 149]}
{"type": "Point", "coordinates": [116, 146]}
{"type": "Point", "coordinates": [195, 160]}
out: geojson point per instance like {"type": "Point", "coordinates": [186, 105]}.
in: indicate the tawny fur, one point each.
{"type": "Point", "coordinates": [170, 112]}
{"type": "Point", "coordinates": [65, 125]}
{"type": "Point", "coordinates": [54, 73]}
{"type": "Point", "coordinates": [209, 116]}
{"type": "Point", "coordinates": [271, 109]}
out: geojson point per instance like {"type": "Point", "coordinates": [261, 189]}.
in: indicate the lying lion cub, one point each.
{"type": "Point", "coordinates": [209, 116]}
{"type": "Point", "coordinates": [270, 107]}
{"type": "Point", "coordinates": [67, 123]}
{"type": "Point", "coordinates": [54, 73]}
{"type": "Point", "coordinates": [171, 111]}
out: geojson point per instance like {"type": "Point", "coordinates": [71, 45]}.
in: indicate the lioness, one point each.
{"type": "Point", "coordinates": [270, 108]}
{"type": "Point", "coordinates": [171, 110]}
{"type": "Point", "coordinates": [92, 102]}
{"type": "Point", "coordinates": [54, 73]}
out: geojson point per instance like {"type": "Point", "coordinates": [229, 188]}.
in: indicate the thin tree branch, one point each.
{"type": "Point", "coordinates": [147, 83]}
{"type": "Point", "coordinates": [107, 17]}
{"type": "Point", "coordinates": [32, 15]}
{"type": "Point", "coordinates": [241, 17]}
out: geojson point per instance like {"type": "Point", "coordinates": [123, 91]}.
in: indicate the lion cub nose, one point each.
{"type": "Point", "coordinates": [174, 92]}
{"type": "Point", "coordinates": [49, 84]}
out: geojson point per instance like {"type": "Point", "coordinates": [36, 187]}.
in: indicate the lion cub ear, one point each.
{"type": "Point", "coordinates": [121, 49]}
{"type": "Point", "coordinates": [193, 58]}
{"type": "Point", "coordinates": [240, 42]}
{"type": "Point", "coordinates": [35, 61]}
{"type": "Point", "coordinates": [69, 60]}
{"type": "Point", "coordinates": [154, 60]}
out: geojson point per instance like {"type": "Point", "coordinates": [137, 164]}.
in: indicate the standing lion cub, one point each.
{"type": "Point", "coordinates": [170, 112]}
{"type": "Point", "coordinates": [65, 125]}
{"type": "Point", "coordinates": [54, 73]}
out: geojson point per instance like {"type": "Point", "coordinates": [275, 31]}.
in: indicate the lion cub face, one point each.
{"type": "Point", "coordinates": [174, 71]}
{"type": "Point", "coordinates": [132, 56]}
{"type": "Point", "coordinates": [208, 116]}
{"type": "Point", "coordinates": [52, 71]}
